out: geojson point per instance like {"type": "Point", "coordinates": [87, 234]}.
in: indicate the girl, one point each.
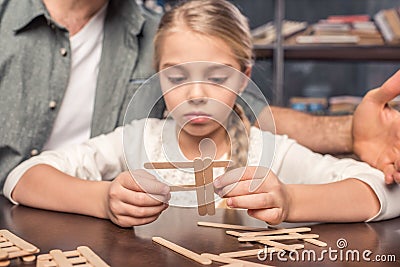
{"type": "Point", "coordinates": [80, 179]}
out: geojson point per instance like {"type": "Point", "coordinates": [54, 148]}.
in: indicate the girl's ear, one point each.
{"type": "Point", "coordinates": [246, 72]}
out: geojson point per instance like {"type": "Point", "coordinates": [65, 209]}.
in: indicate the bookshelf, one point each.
{"type": "Point", "coordinates": [286, 50]}
{"type": "Point", "coordinates": [332, 52]}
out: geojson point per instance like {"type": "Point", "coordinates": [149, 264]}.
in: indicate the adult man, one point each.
{"type": "Point", "coordinates": [69, 68]}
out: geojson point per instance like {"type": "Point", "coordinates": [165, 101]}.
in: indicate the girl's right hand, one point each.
{"type": "Point", "coordinates": [136, 201]}
{"type": "Point", "coordinates": [256, 189]}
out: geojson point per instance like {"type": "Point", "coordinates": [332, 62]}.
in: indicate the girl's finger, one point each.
{"type": "Point", "coordinates": [254, 201]}
{"type": "Point", "coordinates": [145, 182]}
{"type": "Point", "coordinates": [240, 174]}
{"type": "Point", "coordinates": [271, 216]}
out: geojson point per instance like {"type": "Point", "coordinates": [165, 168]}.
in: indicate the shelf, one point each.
{"type": "Point", "coordinates": [332, 52]}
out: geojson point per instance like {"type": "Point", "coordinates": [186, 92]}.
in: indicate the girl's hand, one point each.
{"type": "Point", "coordinates": [135, 201]}
{"type": "Point", "coordinates": [257, 189]}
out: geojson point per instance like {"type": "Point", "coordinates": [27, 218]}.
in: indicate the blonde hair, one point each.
{"type": "Point", "coordinates": [216, 18]}
{"type": "Point", "coordinates": [222, 20]}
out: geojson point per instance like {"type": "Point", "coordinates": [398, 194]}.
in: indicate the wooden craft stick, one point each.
{"type": "Point", "coordinates": [92, 257]}
{"type": "Point", "coordinates": [18, 253]}
{"type": "Point", "coordinates": [276, 237]}
{"type": "Point", "coordinates": [233, 233]}
{"type": "Point", "coordinates": [282, 246]}
{"type": "Point", "coordinates": [183, 164]}
{"type": "Point", "coordinates": [312, 241]}
{"type": "Point", "coordinates": [221, 163]}
{"type": "Point", "coordinates": [233, 265]}
{"type": "Point", "coordinates": [185, 187]}
{"type": "Point", "coordinates": [3, 254]}
{"type": "Point", "coordinates": [77, 260]}
{"type": "Point", "coordinates": [200, 191]}
{"type": "Point", "coordinates": [13, 249]}
{"type": "Point", "coordinates": [19, 242]}
{"type": "Point", "coordinates": [181, 250]}
{"type": "Point", "coordinates": [6, 244]}
{"type": "Point", "coordinates": [221, 259]}
{"type": "Point", "coordinates": [209, 187]}
{"type": "Point", "coordinates": [60, 258]}
{"type": "Point", "coordinates": [168, 165]}
{"type": "Point", "coordinates": [5, 263]}
{"type": "Point", "coordinates": [29, 258]}
{"type": "Point", "coordinates": [72, 253]}
{"type": "Point", "coordinates": [230, 226]}
{"type": "Point", "coordinates": [277, 232]}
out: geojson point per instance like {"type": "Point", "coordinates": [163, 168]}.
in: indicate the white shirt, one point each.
{"type": "Point", "coordinates": [103, 158]}
{"type": "Point", "coordinates": [73, 121]}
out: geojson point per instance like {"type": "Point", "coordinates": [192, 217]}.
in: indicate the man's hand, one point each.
{"type": "Point", "coordinates": [376, 129]}
{"type": "Point", "coordinates": [256, 189]}
{"type": "Point", "coordinates": [136, 201]}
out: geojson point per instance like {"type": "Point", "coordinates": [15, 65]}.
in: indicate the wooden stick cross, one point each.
{"type": "Point", "coordinates": [12, 246]}
{"type": "Point", "coordinates": [82, 256]}
{"type": "Point", "coordinates": [203, 172]}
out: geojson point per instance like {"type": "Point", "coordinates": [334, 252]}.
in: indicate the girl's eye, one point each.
{"type": "Point", "coordinates": [218, 80]}
{"type": "Point", "coordinates": [176, 79]}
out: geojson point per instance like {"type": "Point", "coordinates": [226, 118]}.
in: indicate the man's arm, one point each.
{"type": "Point", "coordinates": [323, 134]}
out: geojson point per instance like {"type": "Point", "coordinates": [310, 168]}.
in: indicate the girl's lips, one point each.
{"type": "Point", "coordinates": [197, 117]}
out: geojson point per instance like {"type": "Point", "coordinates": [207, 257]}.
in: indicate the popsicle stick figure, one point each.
{"type": "Point", "coordinates": [203, 172]}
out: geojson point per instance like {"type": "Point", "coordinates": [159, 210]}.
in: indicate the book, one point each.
{"type": "Point", "coordinates": [266, 34]}
{"type": "Point", "coordinates": [393, 20]}
{"type": "Point", "coordinates": [348, 18]}
{"type": "Point", "coordinates": [388, 23]}
{"type": "Point", "coordinates": [327, 39]}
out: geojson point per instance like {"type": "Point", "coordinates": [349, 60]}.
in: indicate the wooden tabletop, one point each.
{"type": "Point", "coordinates": [134, 247]}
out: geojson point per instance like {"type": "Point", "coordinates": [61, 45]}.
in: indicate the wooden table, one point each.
{"type": "Point", "coordinates": [124, 247]}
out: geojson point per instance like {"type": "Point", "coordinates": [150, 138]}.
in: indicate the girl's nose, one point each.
{"type": "Point", "coordinates": [197, 93]}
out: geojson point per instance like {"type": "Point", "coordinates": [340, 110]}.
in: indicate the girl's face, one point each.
{"type": "Point", "coordinates": [200, 79]}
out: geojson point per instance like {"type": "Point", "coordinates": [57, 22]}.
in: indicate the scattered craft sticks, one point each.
{"type": "Point", "coordinates": [183, 251]}
{"type": "Point", "coordinates": [12, 246]}
{"type": "Point", "coordinates": [230, 226]}
{"type": "Point", "coordinates": [295, 232]}
{"type": "Point", "coordinates": [203, 171]}
{"type": "Point", "coordinates": [82, 256]}
{"type": "Point", "coordinates": [265, 237]}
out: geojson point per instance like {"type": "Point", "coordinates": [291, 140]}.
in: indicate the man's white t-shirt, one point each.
{"type": "Point", "coordinates": [73, 121]}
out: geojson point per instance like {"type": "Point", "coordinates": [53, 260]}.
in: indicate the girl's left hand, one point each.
{"type": "Point", "coordinates": [257, 189]}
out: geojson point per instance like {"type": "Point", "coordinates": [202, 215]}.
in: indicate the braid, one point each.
{"type": "Point", "coordinates": [238, 131]}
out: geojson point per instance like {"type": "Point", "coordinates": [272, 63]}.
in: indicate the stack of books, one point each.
{"type": "Point", "coordinates": [348, 29]}
{"type": "Point", "coordinates": [266, 34]}
{"type": "Point", "coordinates": [313, 105]}
{"type": "Point", "coordinates": [388, 22]}
{"type": "Point", "coordinates": [344, 104]}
